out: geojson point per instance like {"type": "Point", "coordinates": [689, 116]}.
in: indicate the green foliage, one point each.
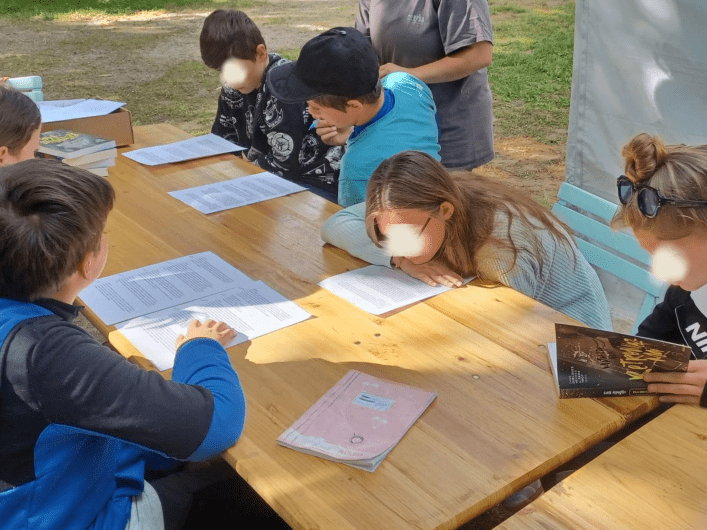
{"type": "Point", "coordinates": [531, 74]}
{"type": "Point", "coordinates": [51, 9]}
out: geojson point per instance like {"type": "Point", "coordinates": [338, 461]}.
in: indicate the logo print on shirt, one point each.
{"type": "Point", "coordinates": [282, 145]}
{"type": "Point", "coordinates": [416, 19]}
{"type": "Point", "coordinates": [272, 114]}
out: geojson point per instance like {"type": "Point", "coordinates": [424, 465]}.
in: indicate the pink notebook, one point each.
{"type": "Point", "coordinates": [359, 421]}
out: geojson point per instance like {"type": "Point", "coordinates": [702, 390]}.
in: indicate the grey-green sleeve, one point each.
{"type": "Point", "coordinates": [346, 229]}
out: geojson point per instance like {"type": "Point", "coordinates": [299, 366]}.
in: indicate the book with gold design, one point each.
{"type": "Point", "coordinates": [590, 362]}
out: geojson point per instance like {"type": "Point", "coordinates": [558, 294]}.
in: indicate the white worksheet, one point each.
{"type": "Point", "coordinates": [134, 293]}
{"type": "Point", "coordinates": [71, 109]}
{"type": "Point", "coordinates": [252, 311]}
{"type": "Point", "coordinates": [197, 147]}
{"type": "Point", "coordinates": [219, 196]}
{"type": "Point", "coordinates": [378, 289]}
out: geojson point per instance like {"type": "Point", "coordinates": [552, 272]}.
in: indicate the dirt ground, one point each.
{"type": "Point", "coordinates": [111, 57]}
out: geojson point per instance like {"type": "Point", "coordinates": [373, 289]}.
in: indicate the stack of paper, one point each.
{"type": "Point", "coordinates": [378, 289]}
{"type": "Point", "coordinates": [72, 109]}
{"type": "Point", "coordinates": [359, 421]}
{"type": "Point", "coordinates": [153, 305]}
{"type": "Point", "coordinates": [197, 147]}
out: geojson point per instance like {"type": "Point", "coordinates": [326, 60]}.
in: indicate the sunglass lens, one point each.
{"type": "Point", "coordinates": [625, 190]}
{"type": "Point", "coordinates": [648, 202]}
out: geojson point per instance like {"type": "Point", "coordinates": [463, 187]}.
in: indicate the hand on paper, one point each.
{"type": "Point", "coordinates": [219, 331]}
{"type": "Point", "coordinates": [332, 135]}
{"type": "Point", "coordinates": [679, 387]}
{"type": "Point", "coordinates": [432, 272]}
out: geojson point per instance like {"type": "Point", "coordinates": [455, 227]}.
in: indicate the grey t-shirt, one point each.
{"type": "Point", "coordinates": [411, 33]}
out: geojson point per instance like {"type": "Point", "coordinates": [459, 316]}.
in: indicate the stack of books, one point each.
{"type": "Point", "coordinates": [89, 152]}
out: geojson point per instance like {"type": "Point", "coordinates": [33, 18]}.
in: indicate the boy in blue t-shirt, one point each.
{"type": "Point", "coordinates": [337, 74]}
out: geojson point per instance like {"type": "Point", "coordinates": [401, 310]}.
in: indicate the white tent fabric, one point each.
{"type": "Point", "coordinates": [639, 66]}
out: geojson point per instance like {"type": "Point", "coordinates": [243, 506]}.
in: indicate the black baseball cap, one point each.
{"type": "Point", "coordinates": [339, 62]}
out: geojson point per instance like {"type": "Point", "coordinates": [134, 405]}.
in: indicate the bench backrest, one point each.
{"type": "Point", "coordinates": [615, 252]}
{"type": "Point", "coordinates": [30, 85]}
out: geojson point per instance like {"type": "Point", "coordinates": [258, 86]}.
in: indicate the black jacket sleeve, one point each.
{"type": "Point", "coordinates": [78, 382]}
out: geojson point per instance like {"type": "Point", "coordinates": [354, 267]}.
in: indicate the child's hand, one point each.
{"type": "Point", "coordinates": [679, 387]}
{"type": "Point", "coordinates": [219, 331]}
{"type": "Point", "coordinates": [432, 273]}
{"type": "Point", "coordinates": [331, 135]}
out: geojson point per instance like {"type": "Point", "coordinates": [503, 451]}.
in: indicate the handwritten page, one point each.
{"type": "Point", "coordinates": [197, 147]}
{"type": "Point", "coordinates": [359, 421]}
{"type": "Point", "coordinates": [220, 196]}
{"type": "Point", "coordinates": [252, 311]}
{"type": "Point", "coordinates": [71, 109]}
{"type": "Point", "coordinates": [134, 293]}
{"type": "Point", "coordinates": [378, 289]}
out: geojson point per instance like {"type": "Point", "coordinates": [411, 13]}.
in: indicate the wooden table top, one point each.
{"type": "Point", "coordinates": [495, 426]}
{"type": "Point", "coordinates": [655, 478]}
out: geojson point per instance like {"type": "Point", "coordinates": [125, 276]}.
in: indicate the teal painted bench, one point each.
{"type": "Point", "coordinates": [30, 86]}
{"type": "Point", "coordinates": [615, 252]}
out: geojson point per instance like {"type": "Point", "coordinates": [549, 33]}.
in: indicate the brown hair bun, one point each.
{"type": "Point", "coordinates": [643, 155]}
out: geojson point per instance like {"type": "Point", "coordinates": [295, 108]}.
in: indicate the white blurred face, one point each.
{"type": "Point", "coordinates": [681, 262]}
{"type": "Point", "coordinates": [244, 75]}
{"type": "Point", "coordinates": [412, 234]}
{"type": "Point", "coordinates": [27, 152]}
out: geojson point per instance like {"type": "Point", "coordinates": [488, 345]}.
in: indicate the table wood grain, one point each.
{"type": "Point", "coordinates": [495, 426]}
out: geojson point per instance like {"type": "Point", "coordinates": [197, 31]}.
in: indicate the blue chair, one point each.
{"type": "Point", "coordinates": [30, 85]}
{"type": "Point", "coordinates": [615, 252]}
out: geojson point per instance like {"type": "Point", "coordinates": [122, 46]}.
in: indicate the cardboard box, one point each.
{"type": "Point", "coordinates": [116, 126]}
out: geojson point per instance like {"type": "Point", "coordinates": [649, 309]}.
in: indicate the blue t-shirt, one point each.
{"type": "Point", "coordinates": [410, 124]}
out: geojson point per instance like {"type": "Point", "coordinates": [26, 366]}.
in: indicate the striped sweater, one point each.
{"type": "Point", "coordinates": [566, 282]}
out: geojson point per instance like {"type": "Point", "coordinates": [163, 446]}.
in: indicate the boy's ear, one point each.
{"type": "Point", "coordinates": [86, 264]}
{"type": "Point", "coordinates": [4, 151]}
{"type": "Point", "coordinates": [261, 53]}
{"type": "Point", "coordinates": [354, 104]}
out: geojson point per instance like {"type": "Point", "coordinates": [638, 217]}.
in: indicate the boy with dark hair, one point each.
{"type": "Point", "coordinates": [81, 428]}
{"type": "Point", "coordinates": [278, 136]}
{"type": "Point", "coordinates": [337, 74]}
{"type": "Point", "coordinates": [20, 125]}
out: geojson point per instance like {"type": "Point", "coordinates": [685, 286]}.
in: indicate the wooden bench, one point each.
{"type": "Point", "coordinates": [615, 252]}
{"type": "Point", "coordinates": [655, 478]}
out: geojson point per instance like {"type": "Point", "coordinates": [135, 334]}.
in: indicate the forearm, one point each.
{"type": "Point", "coordinates": [457, 65]}
{"type": "Point", "coordinates": [347, 230]}
{"type": "Point", "coordinates": [204, 362]}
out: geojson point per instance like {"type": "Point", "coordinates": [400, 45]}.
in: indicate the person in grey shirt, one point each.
{"type": "Point", "coordinates": [447, 44]}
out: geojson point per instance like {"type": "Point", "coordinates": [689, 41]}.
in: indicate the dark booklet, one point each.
{"type": "Point", "coordinates": [590, 362]}
{"type": "Point", "coordinates": [65, 144]}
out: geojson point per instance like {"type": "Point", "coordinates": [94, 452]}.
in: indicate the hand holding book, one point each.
{"type": "Point", "coordinates": [680, 387]}
{"type": "Point", "coordinates": [589, 362]}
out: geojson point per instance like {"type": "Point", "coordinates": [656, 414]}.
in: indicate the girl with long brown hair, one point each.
{"type": "Point", "coordinates": [663, 194]}
{"type": "Point", "coordinates": [440, 227]}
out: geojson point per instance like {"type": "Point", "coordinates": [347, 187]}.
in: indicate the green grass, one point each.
{"type": "Point", "coordinates": [58, 9]}
{"type": "Point", "coordinates": [290, 53]}
{"type": "Point", "coordinates": [531, 74]}
{"type": "Point", "coordinates": [177, 96]}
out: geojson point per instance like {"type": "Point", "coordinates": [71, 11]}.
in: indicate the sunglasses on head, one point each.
{"type": "Point", "coordinates": [649, 200]}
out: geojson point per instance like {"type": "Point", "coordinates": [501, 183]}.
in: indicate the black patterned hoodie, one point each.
{"type": "Point", "coordinates": [277, 135]}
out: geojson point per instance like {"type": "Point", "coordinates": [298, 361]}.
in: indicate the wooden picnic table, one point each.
{"type": "Point", "coordinates": [496, 425]}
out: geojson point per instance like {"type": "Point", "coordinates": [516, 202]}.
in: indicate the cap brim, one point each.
{"type": "Point", "coordinates": [287, 87]}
